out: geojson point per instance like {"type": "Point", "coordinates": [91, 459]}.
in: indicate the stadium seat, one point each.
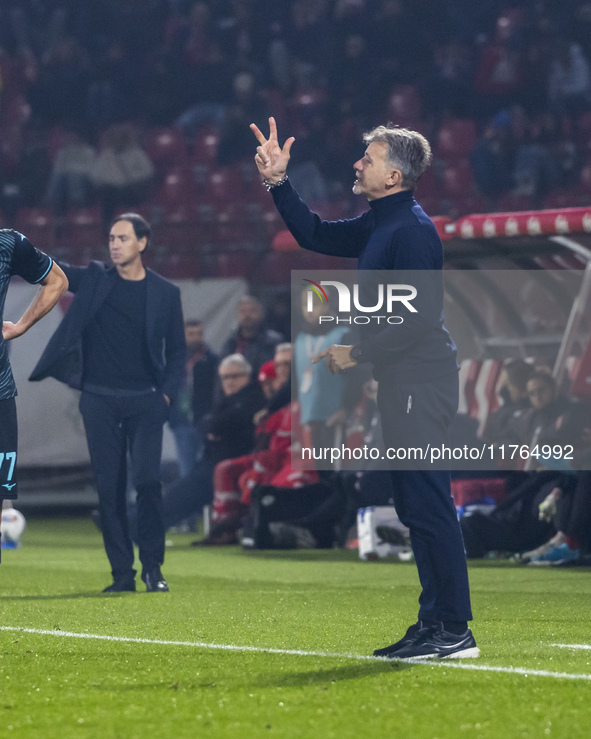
{"type": "Point", "coordinates": [177, 188]}
{"type": "Point", "coordinates": [430, 204]}
{"type": "Point", "coordinates": [456, 138]}
{"type": "Point", "coordinates": [231, 226]}
{"type": "Point", "coordinates": [37, 225]}
{"type": "Point", "coordinates": [181, 267]}
{"type": "Point", "coordinates": [428, 184]}
{"type": "Point", "coordinates": [224, 186]}
{"type": "Point", "coordinates": [458, 180]}
{"type": "Point", "coordinates": [205, 148]}
{"type": "Point", "coordinates": [82, 228]}
{"type": "Point", "coordinates": [235, 264]}
{"type": "Point", "coordinates": [277, 266]}
{"type": "Point", "coordinates": [166, 147]}
{"type": "Point", "coordinates": [404, 105]}
{"type": "Point", "coordinates": [178, 228]}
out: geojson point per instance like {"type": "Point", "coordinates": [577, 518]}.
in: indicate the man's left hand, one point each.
{"type": "Point", "coordinates": [338, 358]}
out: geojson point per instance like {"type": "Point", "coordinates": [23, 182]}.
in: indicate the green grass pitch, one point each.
{"type": "Point", "coordinates": [325, 601]}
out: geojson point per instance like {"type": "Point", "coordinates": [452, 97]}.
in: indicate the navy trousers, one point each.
{"type": "Point", "coordinates": [414, 415]}
{"type": "Point", "coordinates": [114, 426]}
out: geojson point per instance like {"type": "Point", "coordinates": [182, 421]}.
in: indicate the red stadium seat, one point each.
{"type": "Point", "coordinates": [224, 186]}
{"type": "Point", "coordinates": [166, 147]}
{"type": "Point", "coordinates": [206, 145]}
{"type": "Point", "coordinates": [235, 264]}
{"type": "Point", "coordinates": [458, 180]}
{"type": "Point", "coordinates": [404, 105]}
{"type": "Point", "coordinates": [177, 188]}
{"type": "Point", "coordinates": [456, 138]}
{"type": "Point", "coordinates": [82, 228]}
{"type": "Point", "coordinates": [180, 267]}
{"type": "Point", "coordinates": [178, 228]}
{"type": "Point", "coordinates": [428, 184]}
{"type": "Point", "coordinates": [37, 225]}
{"type": "Point", "coordinates": [276, 267]}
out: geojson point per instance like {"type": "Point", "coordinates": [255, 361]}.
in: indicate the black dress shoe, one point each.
{"type": "Point", "coordinates": [155, 582]}
{"type": "Point", "coordinates": [121, 586]}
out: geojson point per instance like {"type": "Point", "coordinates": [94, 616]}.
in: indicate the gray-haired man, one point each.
{"type": "Point", "coordinates": [414, 363]}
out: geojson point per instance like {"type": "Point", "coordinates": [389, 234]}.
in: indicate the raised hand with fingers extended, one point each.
{"type": "Point", "coordinates": [271, 159]}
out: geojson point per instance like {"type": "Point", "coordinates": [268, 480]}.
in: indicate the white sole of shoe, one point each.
{"type": "Point", "coordinates": [470, 653]}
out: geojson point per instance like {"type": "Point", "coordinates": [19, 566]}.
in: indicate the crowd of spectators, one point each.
{"type": "Point", "coordinates": [248, 423]}
{"type": "Point", "coordinates": [501, 87]}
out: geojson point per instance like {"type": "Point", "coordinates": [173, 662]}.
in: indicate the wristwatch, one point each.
{"type": "Point", "coordinates": [356, 354]}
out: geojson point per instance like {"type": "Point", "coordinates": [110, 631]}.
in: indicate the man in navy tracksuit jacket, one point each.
{"type": "Point", "coordinates": [415, 363]}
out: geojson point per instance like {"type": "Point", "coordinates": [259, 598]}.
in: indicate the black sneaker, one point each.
{"type": "Point", "coordinates": [411, 635]}
{"type": "Point", "coordinates": [436, 643]}
{"type": "Point", "coordinates": [155, 582]}
{"type": "Point", "coordinates": [121, 586]}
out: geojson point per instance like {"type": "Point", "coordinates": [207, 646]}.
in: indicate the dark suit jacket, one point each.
{"type": "Point", "coordinates": [231, 423]}
{"type": "Point", "coordinates": [62, 358]}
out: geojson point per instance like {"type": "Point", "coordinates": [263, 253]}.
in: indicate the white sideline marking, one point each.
{"type": "Point", "coordinates": [572, 646]}
{"type": "Point", "coordinates": [298, 652]}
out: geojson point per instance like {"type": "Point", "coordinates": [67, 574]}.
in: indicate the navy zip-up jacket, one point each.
{"type": "Point", "coordinates": [394, 234]}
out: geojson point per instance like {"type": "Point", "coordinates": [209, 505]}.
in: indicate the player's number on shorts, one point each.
{"type": "Point", "coordinates": [9, 456]}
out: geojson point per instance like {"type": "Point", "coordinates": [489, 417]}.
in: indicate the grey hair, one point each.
{"type": "Point", "coordinates": [239, 361]}
{"type": "Point", "coordinates": [285, 347]}
{"type": "Point", "coordinates": [408, 150]}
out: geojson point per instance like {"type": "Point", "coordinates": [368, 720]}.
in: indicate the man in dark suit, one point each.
{"type": "Point", "coordinates": [122, 343]}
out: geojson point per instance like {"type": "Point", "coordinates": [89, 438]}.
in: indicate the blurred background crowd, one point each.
{"type": "Point", "coordinates": [146, 104]}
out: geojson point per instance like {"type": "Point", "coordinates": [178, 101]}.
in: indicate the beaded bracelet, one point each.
{"type": "Point", "coordinates": [272, 185]}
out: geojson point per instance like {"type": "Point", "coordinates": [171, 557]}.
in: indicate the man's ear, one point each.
{"type": "Point", "coordinates": [394, 178]}
{"type": "Point", "coordinates": [143, 242]}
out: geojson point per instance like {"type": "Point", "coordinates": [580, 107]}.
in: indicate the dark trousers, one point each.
{"type": "Point", "coordinates": [114, 426]}
{"type": "Point", "coordinates": [183, 499]}
{"type": "Point", "coordinates": [414, 415]}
